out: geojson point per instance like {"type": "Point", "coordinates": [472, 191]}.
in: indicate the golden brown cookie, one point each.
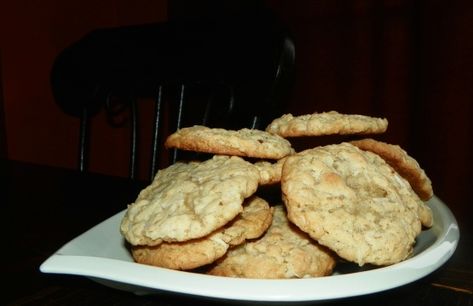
{"type": "Point", "coordinates": [404, 164]}
{"type": "Point", "coordinates": [251, 223]}
{"type": "Point", "coordinates": [283, 252]}
{"type": "Point", "coordinates": [353, 202]}
{"type": "Point", "coordinates": [270, 173]}
{"type": "Point", "coordinates": [244, 142]}
{"type": "Point", "coordinates": [189, 200]}
{"type": "Point", "coordinates": [327, 123]}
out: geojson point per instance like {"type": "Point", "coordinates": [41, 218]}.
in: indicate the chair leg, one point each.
{"type": "Point", "coordinates": [156, 127]}
{"type": "Point", "coordinates": [255, 123]}
{"type": "Point", "coordinates": [179, 118]}
{"type": "Point", "coordinates": [134, 137]}
{"type": "Point", "coordinates": [84, 141]}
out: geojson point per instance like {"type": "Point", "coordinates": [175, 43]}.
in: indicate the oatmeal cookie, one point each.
{"type": "Point", "coordinates": [245, 142]}
{"type": "Point", "coordinates": [353, 202]}
{"type": "Point", "coordinates": [327, 123]}
{"type": "Point", "coordinates": [251, 223]}
{"type": "Point", "coordinates": [283, 252]}
{"type": "Point", "coordinates": [189, 200]}
{"type": "Point", "coordinates": [270, 173]}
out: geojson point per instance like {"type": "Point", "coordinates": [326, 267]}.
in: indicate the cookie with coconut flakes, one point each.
{"type": "Point", "coordinates": [189, 200]}
{"type": "Point", "coordinates": [353, 202]}
{"type": "Point", "coordinates": [245, 142]}
{"type": "Point", "coordinates": [326, 123]}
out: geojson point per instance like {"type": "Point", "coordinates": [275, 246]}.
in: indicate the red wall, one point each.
{"type": "Point", "coordinates": [32, 33]}
{"type": "Point", "coordinates": [411, 61]}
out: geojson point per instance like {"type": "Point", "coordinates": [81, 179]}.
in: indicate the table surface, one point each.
{"type": "Point", "coordinates": [45, 207]}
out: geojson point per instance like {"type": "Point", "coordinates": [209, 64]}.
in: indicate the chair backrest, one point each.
{"type": "Point", "coordinates": [231, 73]}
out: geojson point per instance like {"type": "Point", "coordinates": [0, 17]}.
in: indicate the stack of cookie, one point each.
{"type": "Point", "coordinates": [361, 201]}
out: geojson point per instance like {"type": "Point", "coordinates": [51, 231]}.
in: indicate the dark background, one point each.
{"type": "Point", "coordinates": [408, 61]}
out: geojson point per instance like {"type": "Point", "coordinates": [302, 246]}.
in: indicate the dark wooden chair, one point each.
{"type": "Point", "coordinates": [230, 72]}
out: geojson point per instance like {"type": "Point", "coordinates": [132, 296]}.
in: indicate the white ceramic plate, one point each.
{"type": "Point", "coordinates": [101, 255]}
